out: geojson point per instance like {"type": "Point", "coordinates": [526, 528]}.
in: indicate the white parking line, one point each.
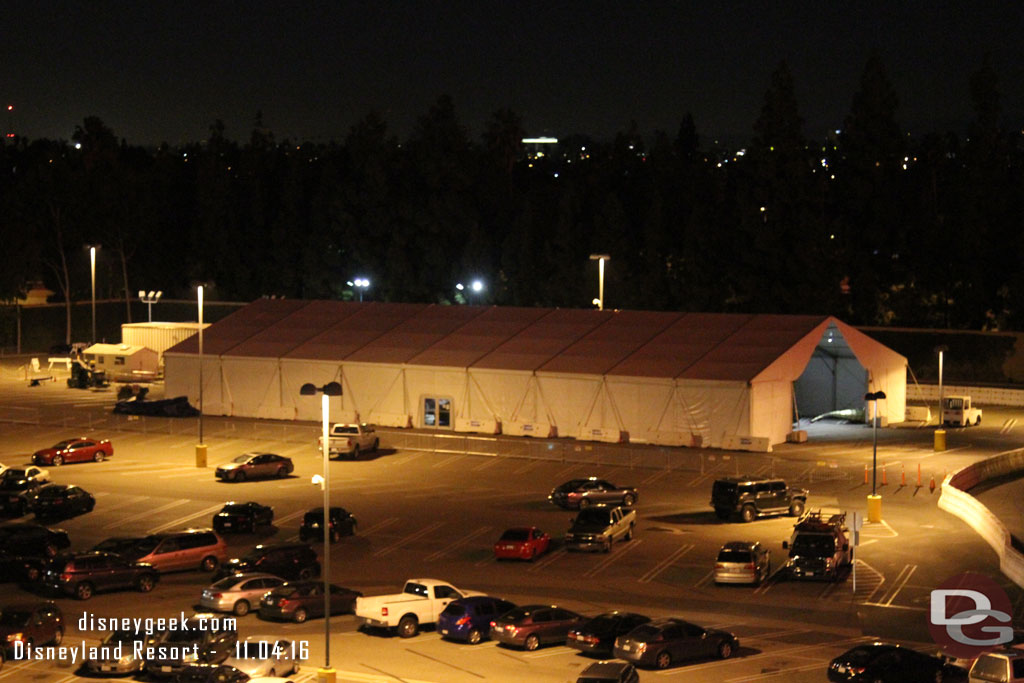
{"type": "Point", "coordinates": [380, 525]}
{"type": "Point", "coordinates": [898, 584]}
{"type": "Point", "coordinates": [613, 557]}
{"type": "Point", "coordinates": [181, 520]}
{"type": "Point", "coordinates": [147, 513]}
{"type": "Point", "coordinates": [666, 563]}
{"type": "Point", "coordinates": [465, 539]}
{"type": "Point", "coordinates": [408, 539]}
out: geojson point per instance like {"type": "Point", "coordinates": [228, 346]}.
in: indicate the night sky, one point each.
{"type": "Point", "coordinates": [158, 71]}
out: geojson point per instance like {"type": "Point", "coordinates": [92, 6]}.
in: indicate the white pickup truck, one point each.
{"type": "Point", "coordinates": [350, 439]}
{"type": "Point", "coordinates": [957, 412]}
{"type": "Point", "coordinates": [420, 602]}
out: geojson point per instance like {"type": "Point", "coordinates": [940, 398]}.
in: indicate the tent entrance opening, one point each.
{"type": "Point", "coordinates": [437, 412]}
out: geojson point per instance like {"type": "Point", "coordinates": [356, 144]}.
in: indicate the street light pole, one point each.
{"type": "Point", "coordinates": [201, 446]}
{"type": "Point", "coordinates": [149, 300]}
{"type": "Point", "coordinates": [326, 674]}
{"type": "Point", "coordinates": [600, 258]}
{"type": "Point", "coordinates": [874, 501]}
{"type": "Point", "coordinates": [92, 270]}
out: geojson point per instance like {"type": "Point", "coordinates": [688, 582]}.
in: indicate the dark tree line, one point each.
{"type": "Point", "coordinates": [870, 223]}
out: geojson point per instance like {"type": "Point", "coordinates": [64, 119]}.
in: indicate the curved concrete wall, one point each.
{"type": "Point", "coordinates": [957, 500]}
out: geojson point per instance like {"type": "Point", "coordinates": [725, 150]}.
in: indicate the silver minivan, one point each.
{"type": "Point", "coordinates": [1001, 666]}
{"type": "Point", "coordinates": [201, 549]}
{"type": "Point", "coordinates": [743, 562]}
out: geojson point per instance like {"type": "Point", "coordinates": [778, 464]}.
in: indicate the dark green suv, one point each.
{"type": "Point", "coordinates": [751, 497]}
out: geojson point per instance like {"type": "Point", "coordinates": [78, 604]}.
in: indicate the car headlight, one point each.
{"type": "Point", "coordinates": [14, 637]}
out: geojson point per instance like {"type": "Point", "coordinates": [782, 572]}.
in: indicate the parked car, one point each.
{"type": "Point", "coordinates": [242, 517]}
{"type": "Point", "coordinates": [266, 656]}
{"type": "Point", "coordinates": [255, 466]}
{"type": "Point", "coordinates": [598, 527]}
{"type": "Point", "coordinates": [1004, 666]}
{"type": "Point", "coordinates": [82, 449]}
{"type": "Point", "coordinates": [212, 640]}
{"type": "Point", "coordinates": [201, 549]}
{"type": "Point", "coordinates": [609, 672]}
{"type": "Point", "coordinates": [61, 500]}
{"type": "Point", "coordinates": [531, 626]}
{"type": "Point", "coordinates": [469, 619]}
{"type": "Point", "coordinates": [300, 600]}
{"type": "Point", "coordinates": [34, 539]}
{"type": "Point", "coordinates": [211, 673]}
{"type": "Point", "coordinates": [663, 642]}
{"type": "Point", "coordinates": [341, 522]}
{"type": "Point", "coordinates": [743, 562]}
{"type": "Point", "coordinates": [581, 493]}
{"type": "Point", "coordinates": [292, 561]}
{"type": "Point", "coordinates": [18, 493]}
{"type": "Point", "coordinates": [238, 593]}
{"type": "Point", "coordinates": [522, 543]}
{"type": "Point", "coordinates": [39, 623]}
{"type": "Point", "coordinates": [22, 568]}
{"type": "Point", "coordinates": [890, 663]}
{"type": "Point", "coordinates": [111, 662]}
{"type": "Point", "coordinates": [349, 439]}
{"type": "Point", "coordinates": [597, 636]}
{"type": "Point", "coordinates": [83, 574]}
{"type": "Point", "coordinates": [421, 602]}
{"type": "Point", "coordinates": [751, 497]}
{"type": "Point", "coordinates": [37, 474]}
{"type": "Point", "coordinates": [118, 544]}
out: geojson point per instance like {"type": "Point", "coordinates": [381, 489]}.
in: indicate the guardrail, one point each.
{"type": "Point", "coordinates": [983, 396]}
{"type": "Point", "coordinates": [956, 500]}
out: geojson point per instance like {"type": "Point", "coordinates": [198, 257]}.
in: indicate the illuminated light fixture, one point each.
{"type": "Point", "coordinates": [477, 286]}
{"type": "Point", "coordinates": [540, 141]}
{"type": "Point", "coordinates": [600, 258]}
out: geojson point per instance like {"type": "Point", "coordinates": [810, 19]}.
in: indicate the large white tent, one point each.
{"type": "Point", "coordinates": [719, 380]}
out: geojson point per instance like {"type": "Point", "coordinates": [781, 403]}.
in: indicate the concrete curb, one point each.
{"type": "Point", "coordinates": [956, 500]}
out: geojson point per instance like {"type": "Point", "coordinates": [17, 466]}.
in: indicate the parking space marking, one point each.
{"type": "Point", "coordinates": [488, 462]}
{"type": "Point", "coordinates": [704, 579]}
{"type": "Point", "coordinates": [654, 477]}
{"type": "Point", "coordinates": [449, 459]}
{"type": "Point", "coordinates": [405, 540]}
{"type": "Point", "coordinates": [452, 546]}
{"type": "Point", "coordinates": [181, 520]}
{"type": "Point", "coordinates": [147, 513]}
{"type": "Point", "coordinates": [818, 663]}
{"type": "Point", "coordinates": [666, 563]}
{"type": "Point", "coordinates": [530, 465]}
{"type": "Point", "coordinates": [897, 585]}
{"type": "Point", "coordinates": [613, 557]}
{"type": "Point", "coordinates": [550, 559]}
{"type": "Point", "coordinates": [380, 525]}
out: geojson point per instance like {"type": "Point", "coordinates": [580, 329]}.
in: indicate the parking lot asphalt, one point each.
{"type": "Point", "coordinates": [432, 511]}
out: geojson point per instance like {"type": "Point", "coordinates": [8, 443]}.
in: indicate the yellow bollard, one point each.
{"type": "Point", "coordinates": [940, 440]}
{"type": "Point", "coordinates": [874, 509]}
{"type": "Point", "coordinates": [200, 455]}
{"type": "Point", "coordinates": [326, 675]}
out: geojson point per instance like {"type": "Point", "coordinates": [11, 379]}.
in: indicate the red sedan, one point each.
{"type": "Point", "coordinates": [74, 450]}
{"type": "Point", "coordinates": [521, 543]}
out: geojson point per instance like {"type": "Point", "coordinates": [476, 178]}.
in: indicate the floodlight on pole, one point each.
{"type": "Point", "coordinates": [327, 390]}
{"type": "Point", "coordinates": [149, 300]}
{"type": "Point", "coordinates": [940, 349]}
{"type": "Point", "coordinates": [600, 258]}
{"type": "Point", "coordinates": [201, 446]}
{"type": "Point", "coordinates": [92, 277]}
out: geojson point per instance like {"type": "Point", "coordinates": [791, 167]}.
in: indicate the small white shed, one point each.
{"type": "Point", "coordinates": [123, 362]}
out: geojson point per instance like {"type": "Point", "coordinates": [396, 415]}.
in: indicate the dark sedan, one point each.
{"type": "Point", "coordinates": [597, 636]}
{"type": "Point", "coordinates": [888, 663]}
{"type": "Point", "coordinates": [663, 642]}
{"type": "Point", "coordinates": [34, 539]}
{"type": "Point", "coordinates": [581, 493]}
{"type": "Point", "coordinates": [21, 568]}
{"type": "Point", "coordinates": [341, 522]}
{"type": "Point", "coordinates": [255, 466]}
{"type": "Point", "coordinates": [242, 517]}
{"type": "Point", "coordinates": [17, 493]}
{"type": "Point", "coordinates": [531, 626]}
{"type": "Point", "coordinates": [300, 600]}
{"type": "Point", "coordinates": [38, 623]}
{"type": "Point", "coordinates": [60, 500]}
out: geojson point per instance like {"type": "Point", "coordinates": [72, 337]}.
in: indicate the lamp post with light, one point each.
{"type": "Point", "coordinates": [600, 258]}
{"type": "Point", "coordinates": [939, 443]}
{"type": "Point", "coordinates": [326, 674]}
{"type": "Point", "coordinates": [149, 300]}
{"type": "Point", "coordinates": [201, 446]}
{"type": "Point", "coordinates": [874, 500]}
{"type": "Point", "coordinates": [92, 276]}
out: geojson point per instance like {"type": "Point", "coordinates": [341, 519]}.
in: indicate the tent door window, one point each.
{"type": "Point", "coordinates": [437, 412]}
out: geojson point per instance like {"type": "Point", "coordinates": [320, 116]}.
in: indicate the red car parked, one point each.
{"type": "Point", "coordinates": [522, 543]}
{"type": "Point", "coordinates": [74, 450]}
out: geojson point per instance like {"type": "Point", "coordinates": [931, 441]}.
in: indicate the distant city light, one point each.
{"type": "Point", "coordinates": [477, 285]}
{"type": "Point", "coordinates": [78, 145]}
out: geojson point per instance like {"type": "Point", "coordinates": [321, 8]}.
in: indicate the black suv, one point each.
{"type": "Point", "coordinates": [34, 539]}
{"type": "Point", "coordinates": [18, 493]}
{"type": "Point", "coordinates": [82, 574]}
{"type": "Point", "coordinates": [341, 521]}
{"type": "Point", "coordinates": [212, 636]}
{"type": "Point", "coordinates": [753, 497]}
{"type": "Point", "coordinates": [242, 517]}
{"type": "Point", "coordinates": [292, 561]}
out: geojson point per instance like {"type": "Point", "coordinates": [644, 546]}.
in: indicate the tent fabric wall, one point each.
{"type": "Point", "coordinates": [830, 383]}
{"type": "Point", "coordinates": [662, 377]}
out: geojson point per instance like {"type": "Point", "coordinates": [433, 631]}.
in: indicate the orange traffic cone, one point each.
{"type": "Point", "coordinates": [885, 479]}
{"type": "Point", "coordinates": [931, 486]}
{"type": "Point", "coordinates": [903, 476]}
{"type": "Point", "coordinates": [865, 473]}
